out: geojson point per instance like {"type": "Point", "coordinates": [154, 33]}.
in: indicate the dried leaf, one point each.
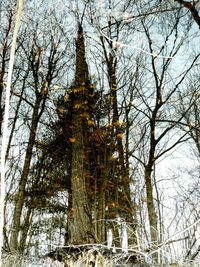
{"type": "Point", "coordinates": [72, 139]}
{"type": "Point", "coordinates": [90, 122]}
{"type": "Point", "coordinates": [120, 135]}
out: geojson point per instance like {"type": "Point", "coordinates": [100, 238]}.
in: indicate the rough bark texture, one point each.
{"type": "Point", "coordinates": [80, 220]}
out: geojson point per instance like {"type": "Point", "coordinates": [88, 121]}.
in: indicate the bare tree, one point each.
{"type": "Point", "coordinates": [41, 85]}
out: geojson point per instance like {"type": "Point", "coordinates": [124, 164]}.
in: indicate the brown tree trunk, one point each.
{"type": "Point", "coordinates": [23, 181]}
{"type": "Point", "coordinates": [80, 225]}
{"type": "Point", "coordinates": [152, 215]}
{"type": "Point", "coordinates": [101, 234]}
{"type": "Point", "coordinates": [150, 206]}
{"type": "Point", "coordinates": [24, 230]}
{"type": "Point", "coordinates": [101, 205]}
{"type": "Point", "coordinates": [29, 212]}
{"type": "Point", "coordinates": [125, 207]}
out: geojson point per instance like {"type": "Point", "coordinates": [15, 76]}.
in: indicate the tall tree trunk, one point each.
{"type": "Point", "coordinates": [150, 206]}
{"type": "Point", "coordinates": [25, 229]}
{"type": "Point", "coordinates": [31, 204]}
{"type": "Point", "coordinates": [102, 202]}
{"type": "Point", "coordinates": [6, 117]}
{"type": "Point", "coordinates": [125, 207]}
{"type": "Point", "coordinates": [152, 215]}
{"type": "Point", "coordinates": [80, 226]}
{"type": "Point", "coordinates": [24, 177]}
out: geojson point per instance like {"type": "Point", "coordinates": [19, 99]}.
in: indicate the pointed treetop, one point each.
{"type": "Point", "coordinates": [81, 74]}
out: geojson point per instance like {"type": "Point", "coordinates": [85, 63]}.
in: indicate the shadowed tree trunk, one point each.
{"type": "Point", "coordinates": [21, 191]}
{"type": "Point", "coordinates": [80, 220]}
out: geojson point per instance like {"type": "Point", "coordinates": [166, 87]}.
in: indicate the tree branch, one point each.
{"type": "Point", "coordinates": [192, 9]}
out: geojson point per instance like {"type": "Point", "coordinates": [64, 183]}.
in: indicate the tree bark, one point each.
{"type": "Point", "coordinates": [80, 226]}
{"type": "Point", "coordinates": [23, 181]}
{"type": "Point", "coordinates": [150, 206]}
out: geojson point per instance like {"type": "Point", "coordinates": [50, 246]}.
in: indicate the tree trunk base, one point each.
{"type": "Point", "coordinates": [94, 256]}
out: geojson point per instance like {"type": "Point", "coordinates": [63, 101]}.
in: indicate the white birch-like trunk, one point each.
{"type": "Point", "coordinates": [6, 118]}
